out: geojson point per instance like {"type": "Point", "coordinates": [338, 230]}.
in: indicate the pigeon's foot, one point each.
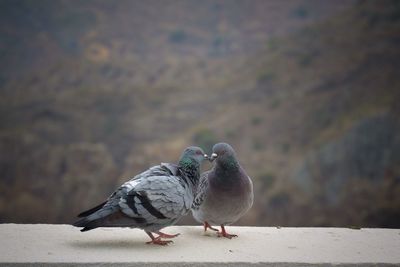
{"type": "Point", "coordinates": [223, 233]}
{"type": "Point", "coordinates": [163, 235]}
{"type": "Point", "coordinates": [157, 240]}
{"type": "Point", "coordinates": [207, 225]}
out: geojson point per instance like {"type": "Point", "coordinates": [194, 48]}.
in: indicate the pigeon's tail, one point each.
{"type": "Point", "coordinates": [92, 210]}
{"type": "Point", "coordinates": [114, 219]}
{"type": "Point", "coordinates": [91, 218]}
{"type": "Point", "coordinates": [86, 224]}
{"type": "Point", "coordinates": [95, 217]}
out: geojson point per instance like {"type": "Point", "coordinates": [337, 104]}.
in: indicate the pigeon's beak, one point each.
{"type": "Point", "coordinates": [206, 156]}
{"type": "Point", "coordinates": [213, 157]}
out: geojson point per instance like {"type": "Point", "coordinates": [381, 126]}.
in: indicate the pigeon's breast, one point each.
{"type": "Point", "coordinates": [225, 205]}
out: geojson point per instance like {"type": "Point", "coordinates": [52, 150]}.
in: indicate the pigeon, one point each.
{"type": "Point", "coordinates": [152, 200]}
{"type": "Point", "coordinates": [225, 193]}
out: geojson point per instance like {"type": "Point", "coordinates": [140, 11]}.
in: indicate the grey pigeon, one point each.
{"type": "Point", "coordinates": [152, 200]}
{"type": "Point", "coordinates": [225, 193]}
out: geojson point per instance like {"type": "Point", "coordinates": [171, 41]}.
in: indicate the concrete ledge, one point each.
{"type": "Point", "coordinates": [64, 245]}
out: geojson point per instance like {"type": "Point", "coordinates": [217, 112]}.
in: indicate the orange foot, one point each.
{"type": "Point", "coordinates": [223, 233]}
{"type": "Point", "coordinates": [207, 225]}
{"type": "Point", "coordinates": [163, 235]}
{"type": "Point", "coordinates": [157, 240]}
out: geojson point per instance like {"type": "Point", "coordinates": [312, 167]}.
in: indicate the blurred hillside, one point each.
{"type": "Point", "coordinates": [93, 92]}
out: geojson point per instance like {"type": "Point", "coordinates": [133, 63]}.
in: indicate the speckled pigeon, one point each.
{"type": "Point", "coordinates": [224, 193]}
{"type": "Point", "coordinates": [152, 200]}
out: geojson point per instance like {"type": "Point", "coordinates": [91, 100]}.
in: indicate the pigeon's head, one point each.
{"type": "Point", "coordinates": [222, 152]}
{"type": "Point", "coordinates": [193, 154]}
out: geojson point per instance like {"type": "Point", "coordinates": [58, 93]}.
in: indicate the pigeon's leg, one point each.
{"type": "Point", "coordinates": [157, 240]}
{"type": "Point", "coordinates": [207, 225]}
{"type": "Point", "coordinates": [163, 235]}
{"type": "Point", "coordinates": [224, 233]}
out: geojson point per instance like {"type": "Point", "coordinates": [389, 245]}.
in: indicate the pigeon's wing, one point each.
{"type": "Point", "coordinates": [157, 197]}
{"type": "Point", "coordinates": [201, 191]}
{"type": "Point", "coordinates": [117, 210]}
{"type": "Point", "coordinates": [159, 170]}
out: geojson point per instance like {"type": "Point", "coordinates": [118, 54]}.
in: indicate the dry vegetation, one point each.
{"type": "Point", "coordinates": [307, 92]}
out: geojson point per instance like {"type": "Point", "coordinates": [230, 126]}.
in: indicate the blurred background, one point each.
{"type": "Point", "coordinates": [306, 91]}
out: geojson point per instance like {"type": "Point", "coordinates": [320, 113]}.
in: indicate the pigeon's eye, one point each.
{"type": "Point", "coordinates": [198, 152]}
{"type": "Point", "coordinates": [220, 152]}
